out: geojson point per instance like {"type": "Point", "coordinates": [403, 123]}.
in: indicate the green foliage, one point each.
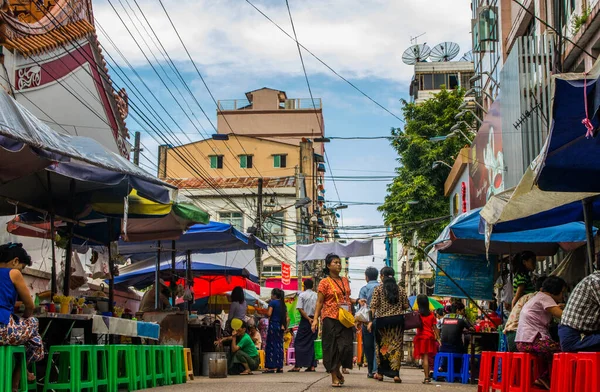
{"type": "Point", "coordinates": [416, 180]}
{"type": "Point", "coordinates": [578, 21]}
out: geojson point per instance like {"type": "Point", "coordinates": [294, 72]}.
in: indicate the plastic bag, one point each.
{"type": "Point", "coordinates": [362, 314]}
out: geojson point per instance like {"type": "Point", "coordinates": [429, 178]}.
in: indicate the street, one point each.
{"type": "Point", "coordinates": [320, 381]}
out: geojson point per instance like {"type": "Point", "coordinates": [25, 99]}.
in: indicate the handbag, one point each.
{"type": "Point", "coordinates": [344, 316]}
{"type": "Point", "coordinates": [412, 320]}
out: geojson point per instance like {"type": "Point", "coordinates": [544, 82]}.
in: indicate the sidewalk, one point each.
{"type": "Point", "coordinates": [320, 381]}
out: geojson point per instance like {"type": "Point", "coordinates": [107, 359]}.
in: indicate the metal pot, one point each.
{"type": "Point", "coordinates": [206, 357]}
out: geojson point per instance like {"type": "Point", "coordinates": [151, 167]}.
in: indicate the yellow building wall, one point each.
{"type": "Point", "coordinates": [262, 152]}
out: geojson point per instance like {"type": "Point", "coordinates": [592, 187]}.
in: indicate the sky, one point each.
{"type": "Point", "coordinates": [236, 49]}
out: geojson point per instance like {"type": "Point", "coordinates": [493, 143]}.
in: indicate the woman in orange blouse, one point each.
{"type": "Point", "coordinates": [333, 294]}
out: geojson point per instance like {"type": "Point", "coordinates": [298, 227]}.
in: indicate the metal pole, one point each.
{"type": "Point", "coordinates": [173, 281]}
{"type": "Point", "coordinates": [53, 286]}
{"type": "Point", "coordinates": [588, 215]}
{"type": "Point", "coordinates": [69, 250]}
{"type": "Point", "coordinates": [136, 149]}
{"type": "Point", "coordinates": [259, 205]}
{"type": "Point", "coordinates": [157, 279]}
{"type": "Point", "coordinates": [111, 267]}
{"type": "Point", "coordinates": [188, 276]}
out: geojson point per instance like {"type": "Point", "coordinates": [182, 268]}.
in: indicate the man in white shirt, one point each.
{"type": "Point", "coordinates": [304, 344]}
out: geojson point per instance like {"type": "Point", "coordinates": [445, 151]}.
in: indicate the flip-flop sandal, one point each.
{"type": "Point", "coordinates": [294, 370]}
{"type": "Point", "coordinates": [427, 381]}
{"type": "Point", "coordinates": [246, 374]}
{"type": "Point", "coordinates": [336, 384]}
{"type": "Point", "coordinates": [279, 371]}
{"type": "Point", "coordinates": [397, 380]}
{"type": "Point", "coordinates": [268, 371]}
{"type": "Point", "coordinates": [309, 370]}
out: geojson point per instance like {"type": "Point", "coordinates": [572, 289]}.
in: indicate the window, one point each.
{"type": "Point", "coordinates": [233, 218]}
{"type": "Point", "coordinates": [246, 161]}
{"type": "Point", "coordinates": [279, 160]}
{"type": "Point", "coordinates": [216, 161]}
{"type": "Point", "coordinates": [271, 270]}
{"type": "Point", "coordinates": [273, 228]}
{"type": "Point", "coordinates": [439, 80]}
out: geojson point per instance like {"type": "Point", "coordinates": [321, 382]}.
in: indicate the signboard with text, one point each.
{"type": "Point", "coordinates": [286, 273]}
{"type": "Point", "coordinates": [474, 273]}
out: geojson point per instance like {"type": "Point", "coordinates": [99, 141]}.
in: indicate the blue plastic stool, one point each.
{"type": "Point", "coordinates": [466, 366]}
{"type": "Point", "coordinates": [450, 374]}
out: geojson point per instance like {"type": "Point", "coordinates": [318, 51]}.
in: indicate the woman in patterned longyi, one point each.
{"type": "Point", "coordinates": [387, 307]}
{"type": "Point", "coordinates": [16, 331]}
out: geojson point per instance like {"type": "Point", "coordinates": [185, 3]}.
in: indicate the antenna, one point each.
{"type": "Point", "coordinates": [467, 56]}
{"type": "Point", "coordinates": [445, 51]}
{"type": "Point", "coordinates": [416, 54]}
{"type": "Point", "coordinates": [413, 40]}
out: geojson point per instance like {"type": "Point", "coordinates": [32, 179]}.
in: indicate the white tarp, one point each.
{"type": "Point", "coordinates": [319, 251]}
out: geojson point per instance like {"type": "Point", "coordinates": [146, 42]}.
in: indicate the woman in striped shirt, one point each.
{"type": "Point", "coordinates": [523, 264]}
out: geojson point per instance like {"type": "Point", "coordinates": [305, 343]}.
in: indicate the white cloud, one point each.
{"type": "Point", "coordinates": [359, 39]}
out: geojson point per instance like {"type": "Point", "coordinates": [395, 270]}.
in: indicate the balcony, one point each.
{"type": "Point", "coordinates": [287, 104]}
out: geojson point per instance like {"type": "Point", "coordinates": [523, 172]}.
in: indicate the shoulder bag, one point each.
{"type": "Point", "coordinates": [344, 316]}
{"type": "Point", "coordinates": [412, 320]}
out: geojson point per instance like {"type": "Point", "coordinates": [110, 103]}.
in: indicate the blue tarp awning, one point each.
{"type": "Point", "coordinates": [214, 237]}
{"type": "Point", "coordinates": [462, 236]}
{"type": "Point", "coordinates": [569, 162]}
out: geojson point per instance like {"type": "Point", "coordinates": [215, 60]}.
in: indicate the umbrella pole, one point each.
{"type": "Point", "coordinates": [589, 232]}
{"type": "Point", "coordinates": [111, 271]}
{"type": "Point", "coordinates": [188, 276]}
{"type": "Point", "coordinates": [69, 250]}
{"type": "Point", "coordinates": [53, 287]}
{"type": "Point", "coordinates": [173, 282]}
{"type": "Point", "coordinates": [157, 280]}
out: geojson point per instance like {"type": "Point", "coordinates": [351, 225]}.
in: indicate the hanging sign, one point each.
{"type": "Point", "coordinates": [473, 273]}
{"type": "Point", "coordinates": [286, 273]}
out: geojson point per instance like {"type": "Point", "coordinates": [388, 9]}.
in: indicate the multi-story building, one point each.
{"type": "Point", "coordinates": [223, 175]}
{"type": "Point", "coordinates": [431, 76]}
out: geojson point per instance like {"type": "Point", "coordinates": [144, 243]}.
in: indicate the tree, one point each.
{"type": "Point", "coordinates": [417, 192]}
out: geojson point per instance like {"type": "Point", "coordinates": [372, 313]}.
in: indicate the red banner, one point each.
{"type": "Point", "coordinates": [286, 273]}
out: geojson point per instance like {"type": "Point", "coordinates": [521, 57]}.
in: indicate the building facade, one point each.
{"type": "Point", "coordinates": [431, 76]}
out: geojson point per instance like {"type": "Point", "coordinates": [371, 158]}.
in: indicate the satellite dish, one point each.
{"type": "Point", "coordinates": [416, 54]}
{"type": "Point", "coordinates": [445, 51]}
{"type": "Point", "coordinates": [467, 56]}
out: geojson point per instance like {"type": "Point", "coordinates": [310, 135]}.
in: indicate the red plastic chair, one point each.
{"type": "Point", "coordinates": [524, 370]}
{"type": "Point", "coordinates": [587, 372]}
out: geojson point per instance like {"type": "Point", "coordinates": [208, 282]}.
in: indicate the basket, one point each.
{"type": "Point", "coordinates": [318, 349]}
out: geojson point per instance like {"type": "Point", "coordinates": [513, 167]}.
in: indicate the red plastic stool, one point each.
{"type": "Point", "coordinates": [524, 370]}
{"type": "Point", "coordinates": [563, 372]}
{"type": "Point", "coordinates": [587, 372]}
{"type": "Point", "coordinates": [494, 371]}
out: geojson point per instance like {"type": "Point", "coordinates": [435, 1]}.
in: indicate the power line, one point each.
{"type": "Point", "coordinates": [323, 62]}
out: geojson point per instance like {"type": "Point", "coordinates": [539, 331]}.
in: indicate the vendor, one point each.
{"type": "Point", "coordinates": [17, 331]}
{"type": "Point", "coordinates": [148, 302]}
{"type": "Point", "coordinates": [244, 355]}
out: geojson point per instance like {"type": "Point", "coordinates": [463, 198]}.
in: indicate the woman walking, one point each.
{"type": "Point", "coordinates": [426, 337]}
{"type": "Point", "coordinates": [334, 295]}
{"type": "Point", "coordinates": [277, 326]}
{"type": "Point", "coordinates": [387, 307]}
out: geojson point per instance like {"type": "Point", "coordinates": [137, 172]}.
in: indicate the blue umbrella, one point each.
{"type": "Point", "coordinates": [462, 236]}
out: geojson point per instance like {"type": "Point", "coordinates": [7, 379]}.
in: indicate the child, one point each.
{"type": "Point", "coordinates": [426, 339]}
{"type": "Point", "coordinates": [287, 341]}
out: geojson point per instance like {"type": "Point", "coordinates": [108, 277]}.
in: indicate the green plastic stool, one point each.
{"type": "Point", "coordinates": [7, 363]}
{"type": "Point", "coordinates": [68, 369]}
{"type": "Point", "coordinates": [139, 370]}
{"type": "Point", "coordinates": [101, 375]}
{"type": "Point", "coordinates": [171, 368]}
{"type": "Point", "coordinates": [121, 363]}
{"type": "Point", "coordinates": [181, 370]}
{"type": "Point", "coordinates": [159, 358]}
{"type": "Point", "coordinates": [86, 355]}
{"type": "Point", "coordinates": [147, 364]}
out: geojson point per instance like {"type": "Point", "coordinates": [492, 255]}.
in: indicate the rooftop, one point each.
{"type": "Point", "coordinates": [233, 182]}
{"type": "Point", "coordinates": [269, 99]}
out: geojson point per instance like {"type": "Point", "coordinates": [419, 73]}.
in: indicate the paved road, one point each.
{"type": "Point", "coordinates": [320, 381]}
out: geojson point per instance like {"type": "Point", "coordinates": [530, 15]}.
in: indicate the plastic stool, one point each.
{"type": "Point", "coordinates": [148, 378]}
{"type": "Point", "coordinates": [465, 372]}
{"type": "Point", "coordinates": [501, 364]}
{"type": "Point", "coordinates": [172, 365]}
{"type": "Point", "coordinates": [67, 378]}
{"type": "Point", "coordinates": [261, 356]}
{"type": "Point", "coordinates": [138, 371]}
{"type": "Point", "coordinates": [121, 367]}
{"type": "Point", "coordinates": [563, 372]}
{"type": "Point", "coordinates": [85, 354]}
{"type": "Point", "coordinates": [449, 374]}
{"type": "Point", "coordinates": [158, 359]}
{"type": "Point", "coordinates": [7, 363]}
{"type": "Point", "coordinates": [524, 369]}
{"type": "Point", "coordinates": [187, 364]}
{"type": "Point", "coordinates": [181, 367]}
{"type": "Point", "coordinates": [101, 367]}
{"type": "Point", "coordinates": [291, 356]}
{"type": "Point", "coordinates": [587, 371]}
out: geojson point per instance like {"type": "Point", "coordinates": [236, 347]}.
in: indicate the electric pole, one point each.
{"type": "Point", "coordinates": [259, 211]}
{"type": "Point", "coordinates": [136, 149]}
